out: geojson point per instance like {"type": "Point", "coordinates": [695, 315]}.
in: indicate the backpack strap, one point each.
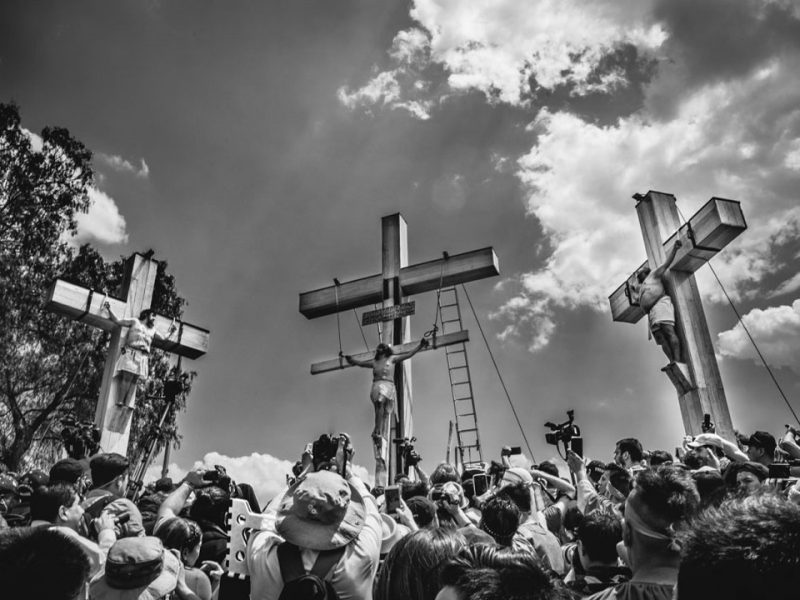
{"type": "Point", "coordinates": [326, 560]}
{"type": "Point", "coordinates": [291, 562]}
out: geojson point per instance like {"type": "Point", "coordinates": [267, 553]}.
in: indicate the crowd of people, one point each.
{"type": "Point", "coordinates": [721, 519]}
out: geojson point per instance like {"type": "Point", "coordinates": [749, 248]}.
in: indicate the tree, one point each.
{"type": "Point", "coordinates": [51, 367]}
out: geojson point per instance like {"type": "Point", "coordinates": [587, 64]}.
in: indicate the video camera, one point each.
{"type": "Point", "coordinates": [81, 438]}
{"type": "Point", "coordinates": [566, 432]}
{"type": "Point", "coordinates": [411, 457]}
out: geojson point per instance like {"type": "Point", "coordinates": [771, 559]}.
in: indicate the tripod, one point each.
{"type": "Point", "coordinates": [172, 388]}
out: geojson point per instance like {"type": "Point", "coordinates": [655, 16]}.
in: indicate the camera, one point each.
{"type": "Point", "coordinates": [564, 432]}
{"type": "Point", "coordinates": [411, 457]}
{"type": "Point", "coordinates": [707, 426]}
{"type": "Point", "coordinates": [782, 470]}
{"type": "Point", "coordinates": [323, 451]}
{"type": "Point", "coordinates": [81, 438]}
{"type": "Point", "coordinates": [219, 477]}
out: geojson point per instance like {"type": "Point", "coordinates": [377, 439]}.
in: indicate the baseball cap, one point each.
{"type": "Point", "coordinates": [764, 440]}
{"type": "Point", "coordinates": [68, 470]}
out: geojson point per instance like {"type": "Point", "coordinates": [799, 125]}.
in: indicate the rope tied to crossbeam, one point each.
{"type": "Point", "coordinates": [336, 285]}
{"type": "Point", "coordinates": [431, 333]}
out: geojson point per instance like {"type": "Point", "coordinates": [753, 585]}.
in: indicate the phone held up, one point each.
{"type": "Point", "coordinates": [392, 496]}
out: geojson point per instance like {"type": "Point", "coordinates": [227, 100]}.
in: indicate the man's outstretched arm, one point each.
{"type": "Point", "coordinates": [358, 363]}
{"type": "Point", "coordinates": [423, 343]}
{"type": "Point", "coordinates": [659, 272]}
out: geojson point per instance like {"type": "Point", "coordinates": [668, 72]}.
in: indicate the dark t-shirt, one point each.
{"type": "Point", "coordinates": [636, 590]}
{"type": "Point", "coordinates": [215, 543]}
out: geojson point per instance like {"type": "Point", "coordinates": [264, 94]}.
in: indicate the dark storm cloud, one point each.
{"type": "Point", "coordinates": [719, 39]}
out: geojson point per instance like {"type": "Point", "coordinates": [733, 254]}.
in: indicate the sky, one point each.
{"type": "Point", "coordinates": [256, 145]}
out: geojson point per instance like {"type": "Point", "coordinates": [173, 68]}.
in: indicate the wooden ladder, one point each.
{"type": "Point", "coordinates": [467, 436]}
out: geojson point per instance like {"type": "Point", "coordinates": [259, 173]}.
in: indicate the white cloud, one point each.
{"type": "Point", "coordinates": [579, 178]}
{"type": "Point", "coordinates": [787, 287]}
{"type": "Point", "coordinates": [498, 46]}
{"type": "Point", "coordinates": [125, 166]}
{"type": "Point", "coordinates": [776, 330]}
{"type": "Point", "coordinates": [384, 90]}
{"type": "Point", "coordinates": [266, 473]}
{"type": "Point", "coordinates": [731, 136]}
{"type": "Point", "coordinates": [37, 143]}
{"type": "Point", "coordinates": [102, 223]}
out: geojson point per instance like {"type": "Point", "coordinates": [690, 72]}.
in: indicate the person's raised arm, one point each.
{"type": "Point", "coordinates": [789, 443]}
{"type": "Point", "coordinates": [729, 449]}
{"type": "Point", "coordinates": [659, 272]}
{"type": "Point", "coordinates": [358, 363]}
{"type": "Point", "coordinates": [585, 491]}
{"type": "Point", "coordinates": [423, 343]}
{"type": "Point", "coordinates": [556, 482]}
{"type": "Point", "coordinates": [174, 503]}
{"type": "Point", "coordinates": [115, 319]}
{"type": "Point", "coordinates": [422, 475]}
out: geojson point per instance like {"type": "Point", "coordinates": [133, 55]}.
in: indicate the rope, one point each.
{"type": "Point", "coordinates": [747, 331]}
{"type": "Point", "coordinates": [379, 325]}
{"type": "Point", "coordinates": [338, 324]}
{"type": "Point", "coordinates": [434, 330]}
{"type": "Point", "coordinates": [361, 329]}
{"type": "Point", "coordinates": [496, 368]}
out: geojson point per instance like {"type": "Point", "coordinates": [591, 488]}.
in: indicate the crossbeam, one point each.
{"type": "Point", "coordinates": [415, 279]}
{"type": "Point", "coordinates": [706, 233]}
{"type": "Point", "coordinates": [448, 339]}
{"type": "Point", "coordinates": [86, 306]}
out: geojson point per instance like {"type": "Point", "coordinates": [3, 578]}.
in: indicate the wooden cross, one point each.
{"type": "Point", "coordinates": [86, 306]}
{"type": "Point", "coordinates": [396, 281]}
{"type": "Point", "coordinates": [709, 230]}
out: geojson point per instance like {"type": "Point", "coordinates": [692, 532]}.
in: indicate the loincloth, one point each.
{"type": "Point", "coordinates": [382, 389]}
{"type": "Point", "coordinates": [133, 361]}
{"type": "Point", "coordinates": [662, 312]}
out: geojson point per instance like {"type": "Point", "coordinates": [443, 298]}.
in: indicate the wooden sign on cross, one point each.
{"type": "Point", "coordinates": [86, 306]}
{"type": "Point", "coordinates": [396, 281]}
{"type": "Point", "coordinates": [706, 233]}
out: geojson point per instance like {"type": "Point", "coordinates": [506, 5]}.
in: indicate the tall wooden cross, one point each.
{"type": "Point", "coordinates": [86, 306]}
{"type": "Point", "coordinates": [396, 281]}
{"type": "Point", "coordinates": [709, 230]}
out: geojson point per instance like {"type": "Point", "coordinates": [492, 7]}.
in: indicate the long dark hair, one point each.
{"type": "Point", "coordinates": [179, 534]}
{"type": "Point", "coordinates": [383, 350]}
{"type": "Point", "coordinates": [411, 569]}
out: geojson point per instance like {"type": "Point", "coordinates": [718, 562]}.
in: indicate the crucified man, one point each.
{"type": "Point", "coordinates": [384, 397]}
{"type": "Point", "coordinates": [654, 300]}
{"type": "Point", "coordinates": [133, 363]}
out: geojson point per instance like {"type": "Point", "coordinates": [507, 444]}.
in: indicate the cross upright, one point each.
{"type": "Point", "coordinates": [86, 306]}
{"type": "Point", "coordinates": [708, 231]}
{"type": "Point", "coordinates": [396, 281]}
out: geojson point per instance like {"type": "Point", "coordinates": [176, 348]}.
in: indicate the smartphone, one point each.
{"type": "Point", "coordinates": [392, 496]}
{"type": "Point", "coordinates": [515, 450]}
{"type": "Point", "coordinates": [576, 445]}
{"type": "Point", "coordinates": [480, 483]}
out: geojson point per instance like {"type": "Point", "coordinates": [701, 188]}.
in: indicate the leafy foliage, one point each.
{"type": "Point", "coordinates": [51, 367]}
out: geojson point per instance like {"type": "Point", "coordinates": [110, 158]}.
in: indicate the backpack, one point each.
{"type": "Point", "coordinates": [299, 584]}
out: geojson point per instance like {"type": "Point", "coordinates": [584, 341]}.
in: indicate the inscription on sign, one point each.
{"type": "Point", "coordinates": [390, 313]}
